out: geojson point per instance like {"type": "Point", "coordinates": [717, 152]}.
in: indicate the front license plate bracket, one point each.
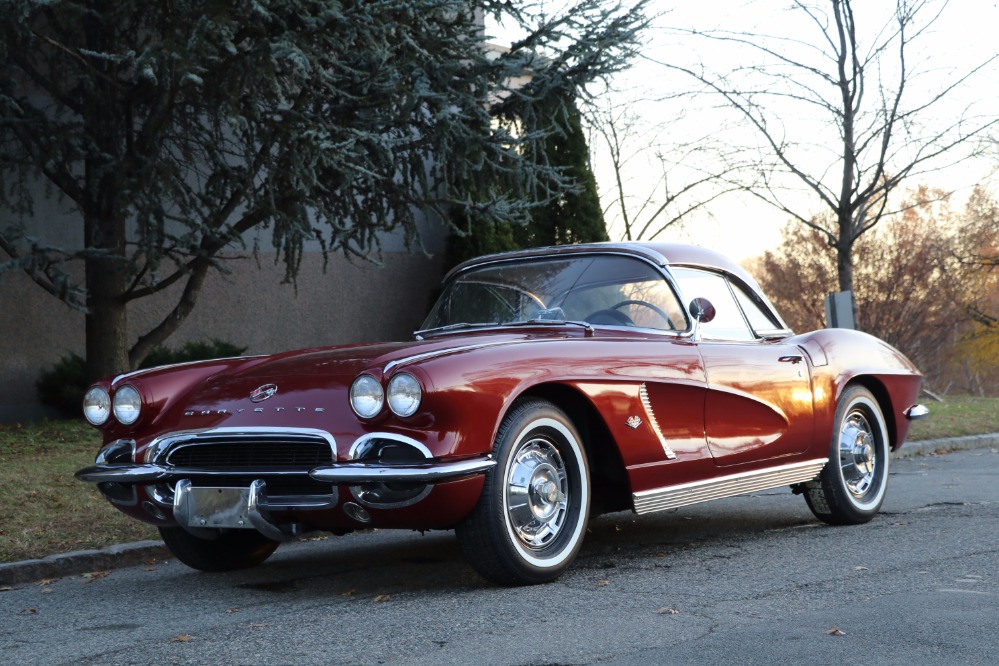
{"type": "Point", "coordinates": [211, 507]}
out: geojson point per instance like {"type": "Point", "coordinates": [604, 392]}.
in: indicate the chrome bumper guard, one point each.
{"type": "Point", "coordinates": [199, 510]}
{"type": "Point", "coordinates": [916, 412]}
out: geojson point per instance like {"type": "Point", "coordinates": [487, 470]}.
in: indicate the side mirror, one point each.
{"type": "Point", "coordinates": [703, 312]}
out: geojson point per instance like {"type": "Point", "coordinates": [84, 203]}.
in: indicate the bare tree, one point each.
{"type": "Point", "coordinates": [657, 181]}
{"type": "Point", "coordinates": [848, 111]}
{"type": "Point", "coordinates": [917, 291]}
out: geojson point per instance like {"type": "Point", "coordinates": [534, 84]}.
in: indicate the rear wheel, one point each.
{"type": "Point", "coordinates": [529, 522]}
{"type": "Point", "coordinates": [228, 551]}
{"type": "Point", "coordinates": [852, 485]}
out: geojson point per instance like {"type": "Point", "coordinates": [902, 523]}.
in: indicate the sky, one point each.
{"type": "Point", "coordinates": [739, 224]}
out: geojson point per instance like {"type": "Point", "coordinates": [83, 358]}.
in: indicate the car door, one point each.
{"type": "Point", "coordinates": [758, 404]}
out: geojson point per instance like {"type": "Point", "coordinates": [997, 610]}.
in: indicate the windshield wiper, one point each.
{"type": "Point", "coordinates": [461, 326]}
{"type": "Point", "coordinates": [550, 322]}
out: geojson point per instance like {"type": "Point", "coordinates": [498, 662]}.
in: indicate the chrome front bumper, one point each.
{"type": "Point", "coordinates": [337, 473]}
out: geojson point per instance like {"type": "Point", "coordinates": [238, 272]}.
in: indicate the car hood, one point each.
{"type": "Point", "coordinates": [299, 374]}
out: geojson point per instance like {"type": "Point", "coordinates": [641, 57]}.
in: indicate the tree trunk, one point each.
{"type": "Point", "coordinates": [106, 319]}
{"type": "Point", "coordinates": [844, 272]}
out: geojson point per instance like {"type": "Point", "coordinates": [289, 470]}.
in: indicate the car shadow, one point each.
{"type": "Point", "coordinates": [376, 563]}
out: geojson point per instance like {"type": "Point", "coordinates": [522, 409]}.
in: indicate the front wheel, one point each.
{"type": "Point", "coordinates": [529, 522]}
{"type": "Point", "coordinates": [228, 551]}
{"type": "Point", "coordinates": [852, 485]}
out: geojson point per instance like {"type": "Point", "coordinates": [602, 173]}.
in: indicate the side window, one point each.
{"type": "Point", "coordinates": [728, 324]}
{"type": "Point", "coordinates": [759, 319]}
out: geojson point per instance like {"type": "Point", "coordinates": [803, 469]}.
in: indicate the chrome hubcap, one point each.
{"type": "Point", "coordinates": [537, 493]}
{"type": "Point", "coordinates": [857, 454]}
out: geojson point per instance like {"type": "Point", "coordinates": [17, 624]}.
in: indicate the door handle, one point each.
{"type": "Point", "coordinates": [795, 358]}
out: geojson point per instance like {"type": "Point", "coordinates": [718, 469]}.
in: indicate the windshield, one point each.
{"type": "Point", "coordinates": [597, 289]}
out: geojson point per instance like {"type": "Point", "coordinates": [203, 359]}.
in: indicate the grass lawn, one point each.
{"type": "Point", "coordinates": [44, 510]}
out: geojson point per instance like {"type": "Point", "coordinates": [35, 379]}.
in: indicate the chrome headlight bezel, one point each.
{"type": "Point", "coordinates": [404, 394]}
{"type": "Point", "coordinates": [367, 396]}
{"type": "Point", "coordinates": [96, 406]}
{"type": "Point", "coordinates": [127, 404]}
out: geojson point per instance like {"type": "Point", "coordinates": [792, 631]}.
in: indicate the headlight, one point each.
{"type": "Point", "coordinates": [366, 396]}
{"type": "Point", "coordinates": [97, 405]}
{"type": "Point", "coordinates": [127, 405]}
{"type": "Point", "coordinates": [404, 394]}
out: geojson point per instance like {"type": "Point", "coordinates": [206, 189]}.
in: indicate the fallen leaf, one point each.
{"type": "Point", "coordinates": [667, 611]}
{"type": "Point", "coordinates": [383, 597]}
{"type": "Point", "coordinates": [151, 562]}
{"type": "Point", "coordinates": [349, 593]}
{"type": "Point", "coordinates": [150, 569]}
{"type": "Point", "coordinates": [47, 590]}
{"type": "Point", "coordinates": [45, 582]}
{"type": "Point", "coordinates": [603, 583]}
{"type": "Point", "coordinates": [230, 611]}
{"type": "Point", "coordinates": [860, 568]}
{"type": "Point", "coordinates": [94, 575]}
{"type": "Point", "coordinates": [6, 588]}
{"type": "Point", "coordinates": [836, 631]}
{"type": "Point", "coordinates": [28, 611]}
{"type": "Point", "coordinates": [182, 638]}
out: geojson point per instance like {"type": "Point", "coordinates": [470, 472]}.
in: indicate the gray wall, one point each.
{"type": "Point", "coordinates": [351, 302]}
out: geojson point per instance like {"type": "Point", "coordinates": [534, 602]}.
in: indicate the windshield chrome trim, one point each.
{"type": "Point", "coordinates": [638, 253]}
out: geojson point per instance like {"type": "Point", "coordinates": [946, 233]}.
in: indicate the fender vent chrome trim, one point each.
{"type": "Point", "coordinates": [643, 393]}
{"type": "Point", "coordinates": [671, 497]}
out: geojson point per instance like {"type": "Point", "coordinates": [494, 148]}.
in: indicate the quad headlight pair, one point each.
{"type": "Point", "coordinates": [98, 405]}
{"type": "Point", "coordinates": [403, 395]}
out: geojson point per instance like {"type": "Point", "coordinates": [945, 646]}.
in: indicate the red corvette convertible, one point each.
{"type": "Point", "coordinates": [546, 385]}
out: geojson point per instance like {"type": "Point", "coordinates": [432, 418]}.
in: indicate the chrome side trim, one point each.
{"type": "Point", "coordinates": [170, 366]}
{"type": "Point", "coordinates": [916, 412]}
{"type": "Point", "coordinates": [353, 473]}
{"type": "Point", "coordinates": [643, 393]}
{"type": "Point", "coordinates": [398, 363]}
{"type": "Point", "coordinates": [671, 497]}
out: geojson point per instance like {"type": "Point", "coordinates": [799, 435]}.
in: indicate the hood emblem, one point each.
{"type": "Point", "coordinates": [263, 392]}
{"type": "Point", "coordinates": [633, 422]}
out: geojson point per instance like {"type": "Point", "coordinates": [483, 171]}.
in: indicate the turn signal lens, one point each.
{"type": "Point", "coordinates": [97, 405]}
{"type": "Point", "coordinates": [366, 396]}
{"type": "Point", "coordinates": [127, 405]}
{"type": "Point", "coordinates": [404, 394]}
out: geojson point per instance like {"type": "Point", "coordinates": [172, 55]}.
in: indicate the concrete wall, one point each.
{"type": "Point", "coordinates": [351, 302]}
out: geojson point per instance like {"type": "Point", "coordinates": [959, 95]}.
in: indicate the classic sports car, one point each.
{"type": "Point", "coordinates": [546, 385]}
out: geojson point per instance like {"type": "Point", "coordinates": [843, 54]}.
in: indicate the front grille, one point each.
{"type": "Point", "coordinates": [273, 454]}
{"type": "Point", "coordinates": [236, 457]}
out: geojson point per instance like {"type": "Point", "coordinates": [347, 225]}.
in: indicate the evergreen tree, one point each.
{"type": "Point", "coordinates": [175, 129]}
{"type": "Point", "coordinates": [572, 215]}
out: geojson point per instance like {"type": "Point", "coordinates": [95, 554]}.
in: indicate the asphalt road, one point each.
{"type": "Point", "coordinates": [751, 580]}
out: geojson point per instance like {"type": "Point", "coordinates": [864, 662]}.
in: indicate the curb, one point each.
{"type": "Point", "coordinates": [82, 561]}
{"type": "Point", "coordinates": [947, 445]}
{"type": "Point", "coordinates": [132, 554]}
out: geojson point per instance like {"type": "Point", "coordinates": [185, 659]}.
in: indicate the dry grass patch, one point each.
{"type": "Point", "coordinates": [43, 508]}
